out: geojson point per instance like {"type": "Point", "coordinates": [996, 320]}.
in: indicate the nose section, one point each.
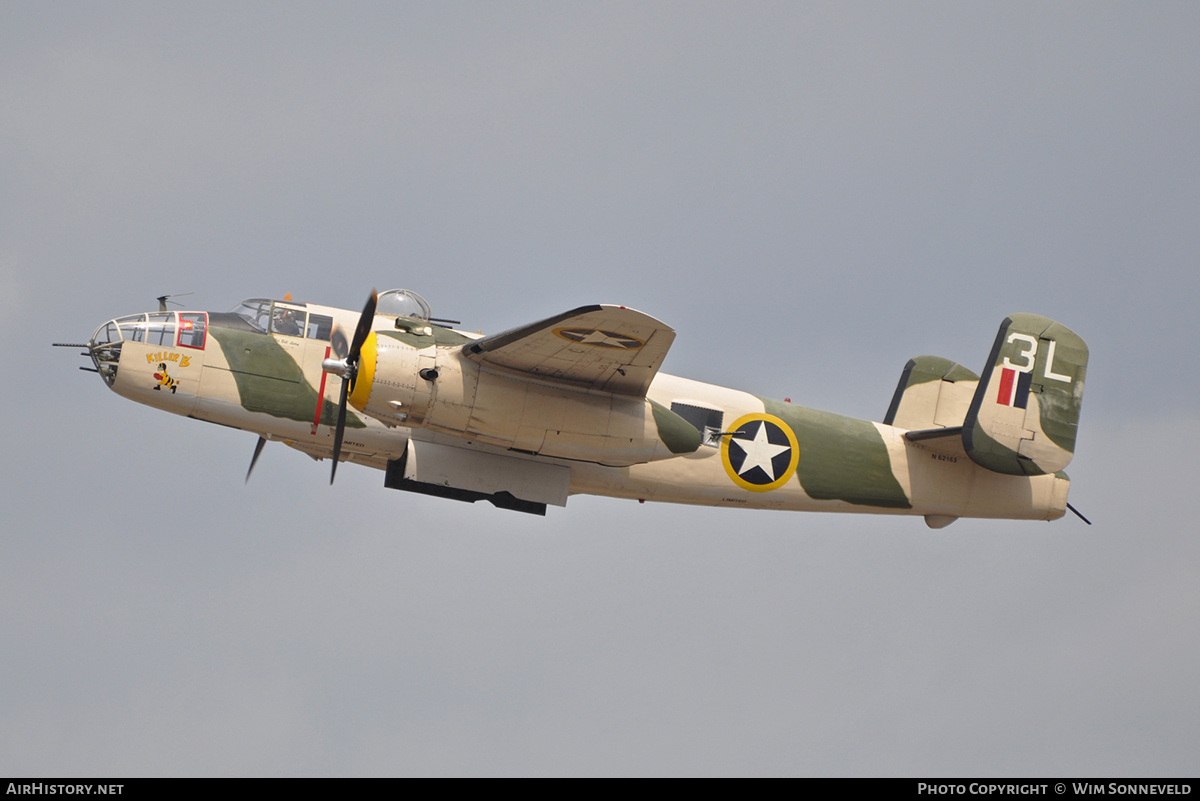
{"type": "Point", "coordinates": [105, 350]}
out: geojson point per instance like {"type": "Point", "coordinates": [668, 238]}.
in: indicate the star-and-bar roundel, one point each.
{"type": "Point", "coordinates": [599, 339]}
{"type": "Point", "coordinates": [761, 452]}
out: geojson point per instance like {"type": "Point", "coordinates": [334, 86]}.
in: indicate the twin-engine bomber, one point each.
{"type": "Point", "coordinates": [575, 403]}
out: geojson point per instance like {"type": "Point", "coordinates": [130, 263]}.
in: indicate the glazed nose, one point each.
{"type": "Point", "coordinates": [105, 350]}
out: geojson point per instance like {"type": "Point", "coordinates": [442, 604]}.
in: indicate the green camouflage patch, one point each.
{"type": "Point", "coordinates": [841, 458]}
{"type": "Point", "coordinates": [678, 434]}
{"type": "Point", "coordinates": [269, 380]}
{"type": "Point", "coordinates": [443, 337]}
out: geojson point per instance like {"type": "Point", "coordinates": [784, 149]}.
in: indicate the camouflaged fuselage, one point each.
{"type": "Point", "coordinates": [677, 440]}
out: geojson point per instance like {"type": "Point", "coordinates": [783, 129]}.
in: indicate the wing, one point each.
{"type": "Point", "coordinates": [608, 348]}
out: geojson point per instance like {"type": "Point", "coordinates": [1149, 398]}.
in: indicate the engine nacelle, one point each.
{"type": "Point", "coordinates": [435, 387]}
{"type": "Point", "coordinates": [388, 386]}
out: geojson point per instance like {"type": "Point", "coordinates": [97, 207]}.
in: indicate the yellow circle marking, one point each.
{"type": "Point", "coordinates": [366, 373]}
{"type": "Point", "coordinates": [793, 445]}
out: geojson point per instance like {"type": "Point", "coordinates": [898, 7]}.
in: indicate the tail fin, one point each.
{"type": "Point", "coordinates": [933, 393]}
{"type": "Point", "coordinates": [1025, 412]}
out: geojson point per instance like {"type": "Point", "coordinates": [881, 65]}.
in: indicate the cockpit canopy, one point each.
{"type": "Point", "coordinates": [284, 317]}
{"type": "Point", "coordinates": [402, 303]}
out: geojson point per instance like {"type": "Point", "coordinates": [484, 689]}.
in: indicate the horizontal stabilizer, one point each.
{"type": "Point", "coordinates": [923, 434]}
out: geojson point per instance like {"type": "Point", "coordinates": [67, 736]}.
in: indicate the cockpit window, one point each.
{"type": "Point", "coordinates": [192, 328]}
{"type": "Point", "coordinates": [320, 326]}
{"type": "Point", "coordinates": [106, 333]}
{"type": "Point", "coordinates": [277, 317]}
{"type": "Point", "coordinates": [287, 320]}
{"type": "Point", "coordinates": [133, 327]}
{"type": "Point", "coordinates": [257, 312]}
{"type": "Point", "coordinates": [161, 329]}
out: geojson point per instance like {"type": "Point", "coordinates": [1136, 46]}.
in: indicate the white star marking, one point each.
{"type": "Point", "coordinates": [601, 338]}
{"type": "Point", "coordinates": [759, 452]}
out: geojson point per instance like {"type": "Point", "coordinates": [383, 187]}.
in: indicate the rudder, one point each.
{"type": "Point", "coordinates": [1025, 413]}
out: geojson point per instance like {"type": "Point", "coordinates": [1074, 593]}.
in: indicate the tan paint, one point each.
{"type": "Point", "coordinates": [608, 441]}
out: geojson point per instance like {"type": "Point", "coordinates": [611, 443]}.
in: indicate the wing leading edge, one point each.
{"type": "Point", "coordinates": [600, 347]}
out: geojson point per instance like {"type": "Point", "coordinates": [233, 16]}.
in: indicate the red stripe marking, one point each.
{"type": "Point", "coordinates": [320, 396]}
{"type": "Point", "coordinates": [1006, 386]}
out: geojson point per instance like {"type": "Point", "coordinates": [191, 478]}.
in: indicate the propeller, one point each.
{"type": "Point", "coordinates": [254, 459]}
{"type": "Point", "coordinates": [347, 368]}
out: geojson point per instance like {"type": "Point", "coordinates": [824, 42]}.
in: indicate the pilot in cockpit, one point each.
{"type": "Point", "coordinates": [285, 323]}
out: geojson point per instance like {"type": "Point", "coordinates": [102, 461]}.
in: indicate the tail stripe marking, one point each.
{"type": "Point", "coordinates": [1014, 394]}
{"type": "Point", "coordinates": [1006, 387]}
{"type": "Point", "coordinates": [1024, 382]}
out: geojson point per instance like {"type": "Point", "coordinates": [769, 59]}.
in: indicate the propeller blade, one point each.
{"type": "Point", "coordinates": [360, 335]}
{"type": "Point", "coordinates": [363, 328]}
{"type": "Point", "coordinates": [254, 459]}
{"type": "Point", "coordinates": [338, 344]}
{"type": "Point", "coordinates": [340, 429]}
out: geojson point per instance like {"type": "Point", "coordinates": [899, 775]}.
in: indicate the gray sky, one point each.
{"type": "Point", "coordinates": [809, 194]}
